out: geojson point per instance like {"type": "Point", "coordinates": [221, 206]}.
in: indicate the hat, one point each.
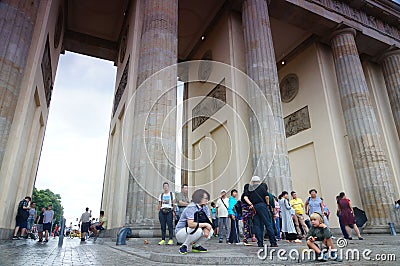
{"type": "Point", "coordinates": [222, 191]}
{"type": "Point", "coordinates": [255, 179]}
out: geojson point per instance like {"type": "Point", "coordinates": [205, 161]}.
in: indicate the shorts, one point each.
{"type": "Point", "coordinates": [39, 228]}
{"type": "Point", "coordinates": [21, 222]}
{"type": "Point", "coordinates": [30, 223]}
{"type": "Point", "coordinates": [99, 227]}
{"type": "Point", "coordinates": [47, 227]}
{"type": "Point", "coordinates": [85, 227]}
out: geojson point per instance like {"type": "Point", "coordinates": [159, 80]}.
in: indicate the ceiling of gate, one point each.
{"type": "Point", "coordinates": [93, 27]}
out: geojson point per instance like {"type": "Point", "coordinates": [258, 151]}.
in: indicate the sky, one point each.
{"type": "Point", "coordinates": [73, 157]}
{"type": "Point", "coordinates": [74, 150]}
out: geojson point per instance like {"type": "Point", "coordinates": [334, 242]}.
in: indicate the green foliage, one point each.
{"type": "Point", "coordinates": [45, 197]}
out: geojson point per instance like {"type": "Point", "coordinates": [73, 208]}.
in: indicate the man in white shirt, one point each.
{"type": "Point", "coordinates": [223, 220]}
{"type": "Point", "coordinates": [85, 219]}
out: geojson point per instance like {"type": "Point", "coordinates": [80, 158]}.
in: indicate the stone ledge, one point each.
{"type": "Point", "coordinates": [6, 233]}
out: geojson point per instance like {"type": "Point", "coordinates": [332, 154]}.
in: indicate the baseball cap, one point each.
{"type": "Point", "coordinates": [223, 190]}
{"type": "Point", "coordinates": [255, 179]}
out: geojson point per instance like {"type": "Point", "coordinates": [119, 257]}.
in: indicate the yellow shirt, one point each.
{"type": "Point", "coordinates": [104, 220]}
{"type": "Point", "coordinates": [297, 205]}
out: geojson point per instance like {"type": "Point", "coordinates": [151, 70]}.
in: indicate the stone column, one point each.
{"type": "Point", "coordinates": [391, 74]}
{"type": "Point", "coordinates": [269, 130]}
{"type": "Point", "coordinates": [369, 159]}
{"type": "Point", "coordinates": [17, 22]}
{"type": "Point", "coordinates": [154, 133]}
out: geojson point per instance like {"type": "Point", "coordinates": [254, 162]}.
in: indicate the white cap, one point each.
{"type": "Point", "coordinates": [222, 191]}
{"type": "Point", "coordinates": [255, 179]}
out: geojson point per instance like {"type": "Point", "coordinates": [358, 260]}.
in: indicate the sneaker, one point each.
{"type": "Point", "coordinates": [40, 240]}
{"type": "Point", "coordinates": [220, 241]}
{"type": "Point", "coordinates": [338, 259]}
{"type": "Point", "coordinates": [183, 249]}
{"type": "Point", "coordinates": [360, 238]}
{"type": "Point", "coordinates": [275, 245]}
{"type": "Point", "coordinates": [170, 242]}
{"type": "Point", "coordinates": [322, 257]}
{"type": "Point", "coordinates": [48, 240]}
{"type": "Point", "coordinates": [15, 238]}
{"type": "Point", "coordinates": [162, 242]}
{"type": "Point", "coordinates": [198, 249]}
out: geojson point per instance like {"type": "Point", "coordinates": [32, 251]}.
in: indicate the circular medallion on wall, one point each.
{"type": "Point", "coordinates": [289, 87]}
{"type": "Point", "coordinates": [58, 28]}
{"type": "Point", "coordinates": [124, 43]}
{"type": "Point", "coordinates": [205, 67]}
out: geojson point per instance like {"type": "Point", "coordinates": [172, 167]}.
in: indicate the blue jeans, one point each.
{"type": "Point", "coordinates": [278, 228]}
{"type": "Point", "coordinates": [343, 227]}
{"type": "Point", "coordinates": [261, 219]}
{"type": "Point", "coordinates": [223, 225]}
{"type": "Point", "coordinates": [166, 219]}
{"type": "Point", "coordinates": [234, 232]}
{"type": "Point", "coordinates": [30, 223]}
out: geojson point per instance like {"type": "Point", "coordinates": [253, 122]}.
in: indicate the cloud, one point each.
{"type": "Point", "coordinates": [75, 145]}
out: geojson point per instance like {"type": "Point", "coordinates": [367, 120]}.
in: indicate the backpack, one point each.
{"type": "Point", "coordinates": [199, 217]}
{"type": "Point", "coordinates": [166, 211]}
{"type": "Point", "coordinates": [238, 208]}
{"type": "Point", "coordinates": [24, 214]}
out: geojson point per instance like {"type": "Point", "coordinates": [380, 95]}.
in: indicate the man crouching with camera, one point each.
{"type": "Point", "coordinates": [194, 225]}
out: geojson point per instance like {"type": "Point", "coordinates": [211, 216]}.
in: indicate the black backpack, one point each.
{"type": "Point", "coordinates": [199, 217]}
{"type": "Point", "coordinates": [24, 214]}
{"type": "Point", "coordinates": [238, 208]}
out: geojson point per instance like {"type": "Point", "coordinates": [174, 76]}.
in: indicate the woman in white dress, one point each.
{"type": "Point", "coordinates": [287, 213]}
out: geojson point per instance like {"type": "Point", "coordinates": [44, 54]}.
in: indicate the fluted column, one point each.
{"type": "Point", "coordinates": [153, 144]}
{"type": "Point", "coordinates": [267, 136]}
{"type": "Point", "coordinates": [391, 74]}
{"type": "Point", "coordinates": [370, 162]}
{"type": "Point", "coordinates": [17, 21]}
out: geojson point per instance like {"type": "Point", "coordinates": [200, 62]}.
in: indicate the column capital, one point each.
{"type": "Point", "coordinates": [391, 52]}
{"type": "Point", "coordinates": [343, 31]}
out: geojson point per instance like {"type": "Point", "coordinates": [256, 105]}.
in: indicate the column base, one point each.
{"type": "Point", "coordinates": [378, 229]}
{"type": "Point", "coordinates": [6, 233]}
{"type": "Point", "coordinates": [138, 231]}
{"type": "Point", "coordinates": [145, 230]}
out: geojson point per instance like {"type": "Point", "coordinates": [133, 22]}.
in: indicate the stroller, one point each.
{"type": "Point", "coordinates": [32, 233]}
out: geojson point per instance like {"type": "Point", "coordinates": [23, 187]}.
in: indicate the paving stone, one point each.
{"type": "Point", "coordinates": [32, 253]}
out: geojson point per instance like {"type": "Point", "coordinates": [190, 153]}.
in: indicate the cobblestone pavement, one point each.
{"type": "Point", "coordinates": [32, 253]}
{"type": "Point", "coordinates": [384, 251]}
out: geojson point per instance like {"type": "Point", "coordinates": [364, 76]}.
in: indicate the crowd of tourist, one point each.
{"type": "Point", "coordinates": [284, 217]}
{"type": "Point", "coordinates": [29, 223]}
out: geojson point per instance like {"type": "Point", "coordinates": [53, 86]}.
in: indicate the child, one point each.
{"type": "Point", "coordinates": [214, 218]}
{"type": "Point", "coordinates": [320, 232]}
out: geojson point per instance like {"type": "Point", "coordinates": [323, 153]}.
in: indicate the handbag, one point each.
{"type": "Point", "coordinates": [165, 210]}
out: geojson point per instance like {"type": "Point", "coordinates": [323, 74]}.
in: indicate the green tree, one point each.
{"type": "Point", "coordinates": [45, 197]}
